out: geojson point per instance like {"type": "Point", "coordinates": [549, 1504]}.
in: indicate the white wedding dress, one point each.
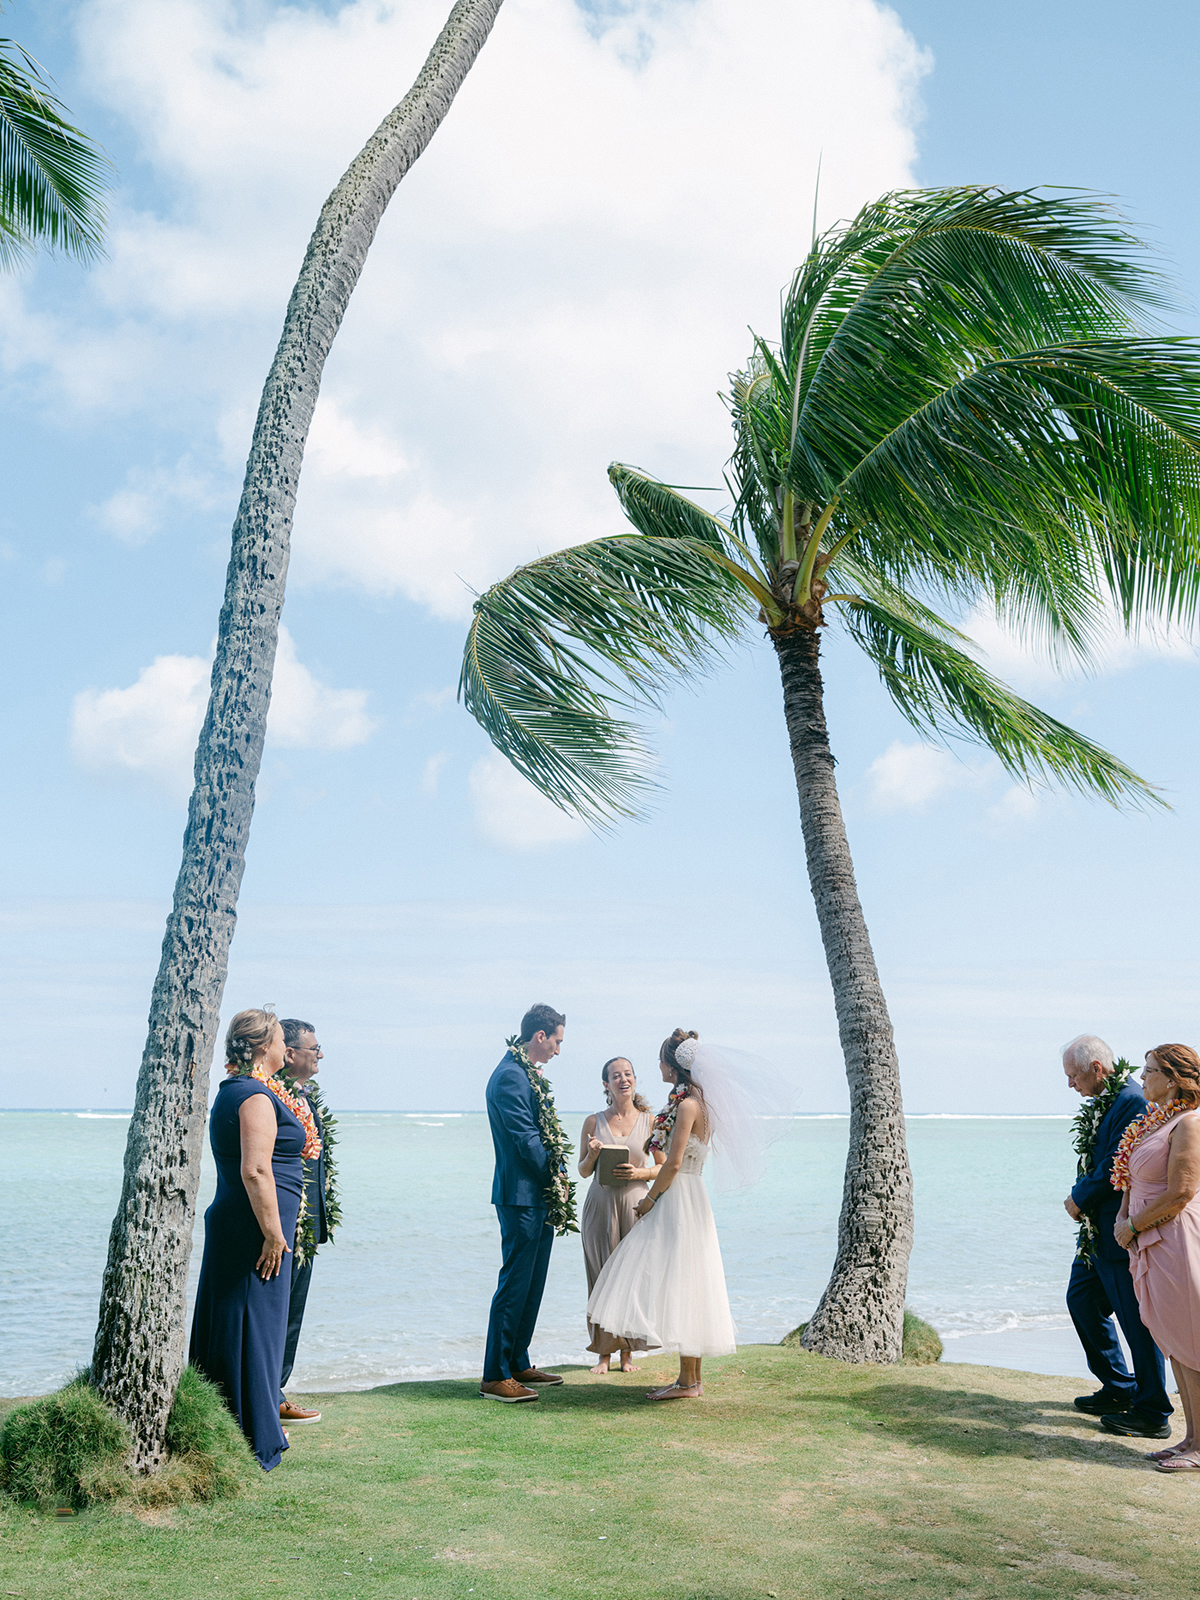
{"type": "Point", "coordinates": [664, 1284]}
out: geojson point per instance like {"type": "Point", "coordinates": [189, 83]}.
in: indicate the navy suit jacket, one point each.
{"type": "Point", "coordinates": [522, 1165]}
{"type": "Point", "coordinates": [1094, 1193]}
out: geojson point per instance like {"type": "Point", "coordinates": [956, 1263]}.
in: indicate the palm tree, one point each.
{"type": "Point", "coordinates": [139, 1341]}
{"type": "Point", "coordinates": [961, 409]}
{"type": "Point", "coordinates": [51, 174]}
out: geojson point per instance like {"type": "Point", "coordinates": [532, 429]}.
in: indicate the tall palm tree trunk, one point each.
{"type": "Point", "coordinates": [139, 1342]}
{"type": "Point", "coordinates": [861, 1314]}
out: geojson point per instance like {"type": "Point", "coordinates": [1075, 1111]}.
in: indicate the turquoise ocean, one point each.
{"type": "Point", "coordinates": [404, 1291]}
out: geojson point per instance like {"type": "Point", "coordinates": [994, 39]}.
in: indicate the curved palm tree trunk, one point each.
{"type": "Point", "coordinates": [139, 1342]}
{"type": "Point", "coordinates": [861, 1314]}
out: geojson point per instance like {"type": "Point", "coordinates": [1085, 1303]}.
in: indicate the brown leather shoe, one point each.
{"type": "Point", "coordinates": [507, 1389]}
{"type": "Point", "coordinates": [288, 1412]}
{"type": "Point", "coordinates": [534, 1375]}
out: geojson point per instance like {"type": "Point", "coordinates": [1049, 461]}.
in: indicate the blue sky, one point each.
{"type": "Point", "coordinates": [565, 278]}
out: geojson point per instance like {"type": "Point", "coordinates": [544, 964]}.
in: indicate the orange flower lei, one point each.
{"type": "Point", "coordinates": [1138, 1130]}
{"type": "Point", "coordinates": [296, 1104]}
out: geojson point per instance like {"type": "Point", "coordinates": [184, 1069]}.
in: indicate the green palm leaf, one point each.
{"type": "Point", "coordinates": [553, 648]}
{"type": "Point", "coordinates": [943, 693]}
{"type": "Point", "coordinates": [52, 175]}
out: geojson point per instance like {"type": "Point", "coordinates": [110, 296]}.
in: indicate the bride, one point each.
{"type": "Point", "coordinates": [664, 1284]}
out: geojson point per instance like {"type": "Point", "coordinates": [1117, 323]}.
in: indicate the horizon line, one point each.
{"type": "Point", "coordinates": [408, 1111]}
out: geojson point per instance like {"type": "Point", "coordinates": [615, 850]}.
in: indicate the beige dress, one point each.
{"type": "Point", "coordinates": [608, 1217]}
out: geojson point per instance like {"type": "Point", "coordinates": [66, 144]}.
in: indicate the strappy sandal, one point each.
{"type": "Point", "coordinates": [1187, 1463]}
{"type": "Point", "coordinates": [676, 1391]}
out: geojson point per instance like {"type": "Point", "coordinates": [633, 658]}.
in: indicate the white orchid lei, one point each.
{"type": "Point", "coordinates": [560, 1191]}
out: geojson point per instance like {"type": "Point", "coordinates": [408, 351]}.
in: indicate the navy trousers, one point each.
{"type": "Point", "coordinates": [1098, 1291]}
{"type": "Point", "coordinates": [525, 1240]}
{"type": "Point", "coordinates": [301, 1278]}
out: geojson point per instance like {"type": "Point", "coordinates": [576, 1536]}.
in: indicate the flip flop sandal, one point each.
{"type": "Point", "coordinates": [1164, 1455]}
{"type": "Point", "coordinates": [1186, 1463]}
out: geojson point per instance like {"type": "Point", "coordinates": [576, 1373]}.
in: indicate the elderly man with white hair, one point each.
{"type": "Point", "coordinates": [1101, 1286]}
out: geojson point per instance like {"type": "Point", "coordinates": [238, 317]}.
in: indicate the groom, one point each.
{"type": "Point", "coordinates": [519, 1196]}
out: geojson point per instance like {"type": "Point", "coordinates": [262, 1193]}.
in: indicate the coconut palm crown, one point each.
{"type": "Point", "coordinates": [963, 408]}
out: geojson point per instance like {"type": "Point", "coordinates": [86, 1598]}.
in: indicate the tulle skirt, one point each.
{"type": "Point", "coordinates": [664, 1284]}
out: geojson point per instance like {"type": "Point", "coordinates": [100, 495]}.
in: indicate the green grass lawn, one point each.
{"type": "Point", "coordinates": [794, 1476]}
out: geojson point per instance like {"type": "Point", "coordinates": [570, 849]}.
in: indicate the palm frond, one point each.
{"type": "Point", "coordinates": [52, 175]}
{"type": "Point", "coordinates": [1033, 475]}
{"type": "Point", "coordinates": [557, 648]}
{"type": "Point", "coordinates": [944, 692]}
{"type": "Point", "coordinates": [661, 511]}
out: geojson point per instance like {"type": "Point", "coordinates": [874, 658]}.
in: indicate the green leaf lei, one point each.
{"type": "Point", "coordinates": [560, 1191]}
{"type": "Point", "coordinates": [305, 1242]}
{"type": "Point", "coordinates": [1083, 1129]}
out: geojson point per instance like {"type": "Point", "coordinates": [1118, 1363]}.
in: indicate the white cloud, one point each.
{"type": "Point", "coordinates": [150, 728]}
{"type": "Point", "coordinates": [906, 777]}
{"type": "Point", "coordinates": [910, 777]}
{"type": "Point", "coordinates": [510, 813]}
{"type": "Point", "coordinates": [564, 277]}
{"type": "Point", "coordinates": [1015, 807]}
{"type": "Point", "coordinates": [431, 774]}
{"type": "Point", "coordinates": [134, 513]}
{"type": "Point", "coordinates": [308, 715]}
{"type": "Point", "coordinates": [1012, 658]}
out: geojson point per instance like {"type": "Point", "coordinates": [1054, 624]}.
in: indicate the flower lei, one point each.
{"type": "Point", "coordinates": [296, 1104]}
{"type": "Point", "coordinates": [1084, 1129]}
{"type": "Point", "coordinates": [560, 1191]}
{"type": "Point", "coordinates": [306, 1232]}
{"type": "Point", "coordinates": [664, 1122]}
{"type": "Point", "coordinates": [1140, 1128]}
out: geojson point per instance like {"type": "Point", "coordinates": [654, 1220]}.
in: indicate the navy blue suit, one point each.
{"type": "Point", "coordinates": [518, 1194]}
{"type": "Point", "coordinates": [1103, 1287]}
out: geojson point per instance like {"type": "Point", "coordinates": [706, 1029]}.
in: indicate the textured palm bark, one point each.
{"type": "Point", "coordinates": [140, 1339]}
{"type": "Point", "coordinates": [861, 1314]}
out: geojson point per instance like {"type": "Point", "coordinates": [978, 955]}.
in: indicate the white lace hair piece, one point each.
{"type": "Point", "coordinates": [685, 1053]}
{"type": "Point", "coordinates": [749, 1106]}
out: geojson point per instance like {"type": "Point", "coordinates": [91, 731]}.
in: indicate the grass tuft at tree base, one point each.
{"type": "Point", "coordinates": [210, 1459]}
{"type": "Point", "coordinates": [922, 1343]}
{"type": "Point", "coordinates": [65, 1449]}
{"type": "Point", "coordinates": [71, 1449]}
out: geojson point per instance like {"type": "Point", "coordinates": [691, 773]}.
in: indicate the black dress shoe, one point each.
{"type": "Point", "coordinates": [1102, 1402]}
{"type": "Point", "coordinates": [1136, 1424]}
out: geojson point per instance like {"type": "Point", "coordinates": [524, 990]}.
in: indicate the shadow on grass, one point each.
{"type": "Point", "coordinates": [602, 1394]}
{"type": "Point", "coordinates": [972, 1424]}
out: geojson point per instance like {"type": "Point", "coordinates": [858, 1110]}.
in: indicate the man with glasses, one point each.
{"type": "Point", "coordinates": [302, 1058]}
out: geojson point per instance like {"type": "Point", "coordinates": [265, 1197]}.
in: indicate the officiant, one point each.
{"type": "Point", "coordinates": [617, 1187]}
{"type": "Point", "coordinates": [1101, 1288]}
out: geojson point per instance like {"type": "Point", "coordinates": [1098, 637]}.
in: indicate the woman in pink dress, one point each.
{"type": "Point", "coordinates": [1158, 1165]}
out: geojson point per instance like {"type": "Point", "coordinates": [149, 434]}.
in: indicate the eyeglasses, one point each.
{"type": "Point", "coordinates": [307, 1049]}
